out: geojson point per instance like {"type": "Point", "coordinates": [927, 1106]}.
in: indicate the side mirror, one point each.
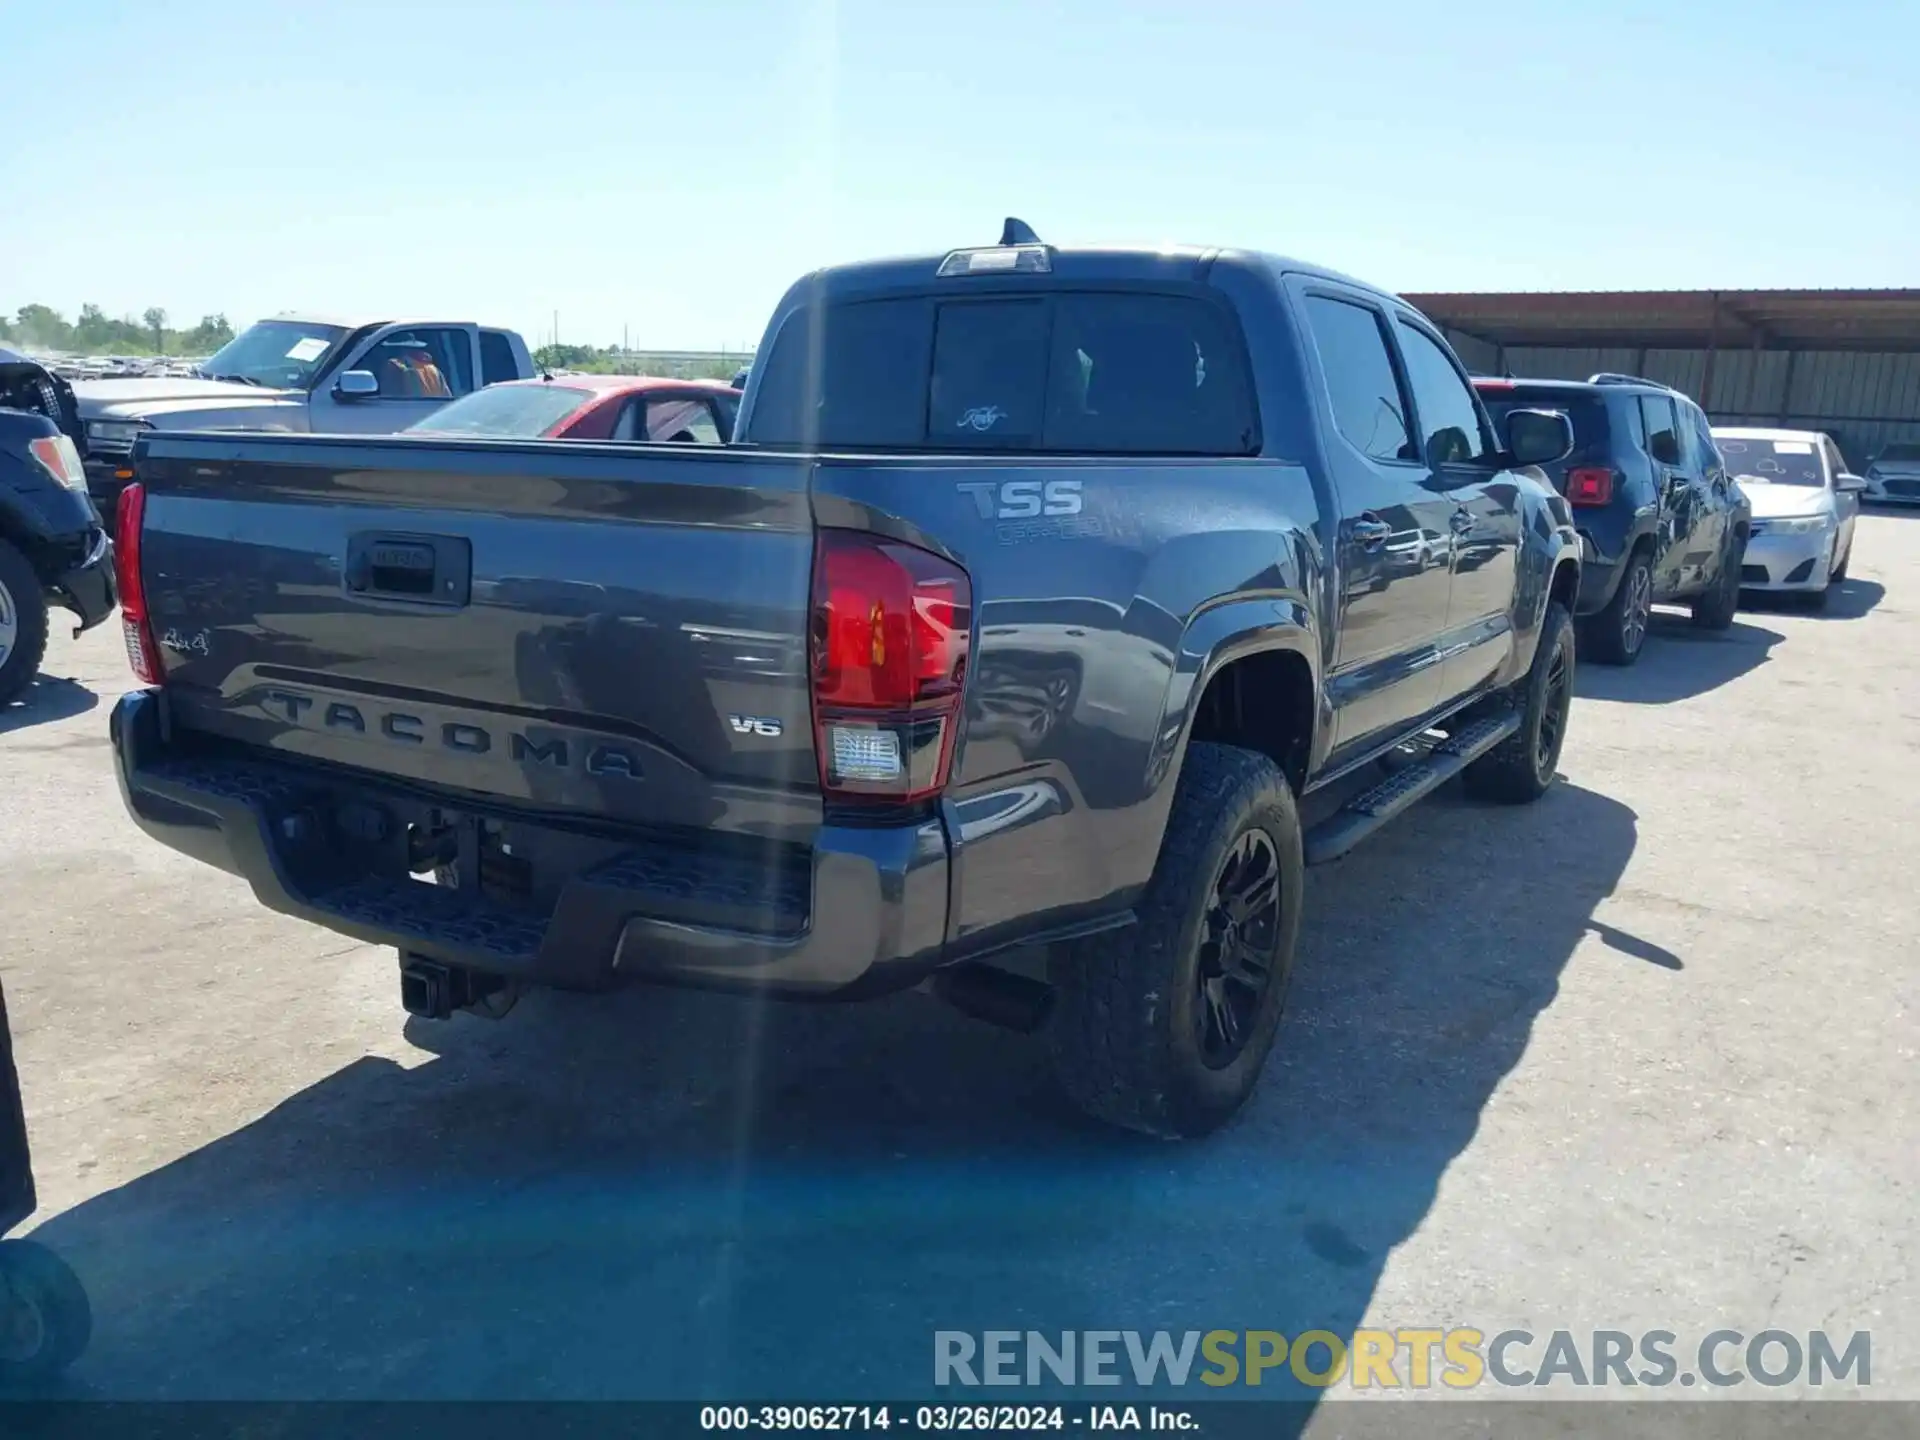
{"type": "Point", "coordinates": [356, 385]}
{"type": "Point", "coordinates": [1849, 484]}
{"type": "Point", "coordinates": [1538, 437]}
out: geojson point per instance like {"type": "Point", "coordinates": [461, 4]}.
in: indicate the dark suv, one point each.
{"type": "Point", "coordinates": [1660, 519]}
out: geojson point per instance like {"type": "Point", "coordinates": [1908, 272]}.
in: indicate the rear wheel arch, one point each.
{"type": "Point", "coordinates": [1265, 700]}
{"type": "Point", "coordinates": [1564, 587]}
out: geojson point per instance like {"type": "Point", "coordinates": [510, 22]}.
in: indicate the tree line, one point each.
{"type": "Point", "coordinates": [612, 360]}
{"type": "Point", "coordinates": [96, 333]}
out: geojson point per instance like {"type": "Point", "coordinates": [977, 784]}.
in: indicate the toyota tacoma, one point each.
{"type": "Point", "coordinates": [997, 656]}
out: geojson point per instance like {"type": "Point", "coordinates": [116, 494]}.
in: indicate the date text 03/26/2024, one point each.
{"type": "Point", "coordinates": [819, 1419]}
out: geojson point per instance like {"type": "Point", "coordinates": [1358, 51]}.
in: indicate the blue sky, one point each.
{"type": "Point", "coordinates": [670, 168]}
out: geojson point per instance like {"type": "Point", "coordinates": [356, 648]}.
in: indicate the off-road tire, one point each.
{"type": "Point", "coordinates": [1125, 1030]}
{"type": "Point", "coordinates": [58, 1321]}
{"type": "Point", "coordinates": [1716, 608]}
{"type": "Point", "coordinates": [29, 609]}
{"type": "Point", "coordinates": [1606, 635]}
{"type": "Point", "coordinates": [1516, 771]}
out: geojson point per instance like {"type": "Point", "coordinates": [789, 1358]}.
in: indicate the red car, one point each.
{"type": "Point", "coordinates": [591, 407]}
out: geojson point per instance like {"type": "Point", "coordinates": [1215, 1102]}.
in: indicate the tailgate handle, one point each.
{"type": "Point", "coordinates": [425, 569]}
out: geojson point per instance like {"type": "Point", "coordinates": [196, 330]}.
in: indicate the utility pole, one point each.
{"type": "Point", "coordinates": [556, 327]}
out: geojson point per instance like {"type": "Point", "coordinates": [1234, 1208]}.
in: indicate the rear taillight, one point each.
{"type": "Point", "coordinates": [891, 627]}
{"type": "Point", "coordinates": [1589, 485]}
{"type": "Point", "coordinates": [142, 654]}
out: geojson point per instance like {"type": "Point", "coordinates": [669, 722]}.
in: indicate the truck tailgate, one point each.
{"type": "Point", "coordinates": [616, 632]}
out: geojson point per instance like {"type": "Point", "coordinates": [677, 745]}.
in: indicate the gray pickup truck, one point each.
{"type": "Point", "coordinates": [324, 374]}
{"type": "Point", "coordinates": [997, 656]}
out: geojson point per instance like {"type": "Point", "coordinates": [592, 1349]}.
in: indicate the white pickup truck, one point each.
{"type": "Point", "coordinates": [299, 373]}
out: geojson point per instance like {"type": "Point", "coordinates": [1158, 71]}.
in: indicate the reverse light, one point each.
{"type": "Point", "coordinates": [890, 635]}
{"type": "Point", "coordinates": [1589, 485]}
{"type": "Point", "coordinates": [59, 459]}
{"type": "Point", "coordinates": [142, 654]}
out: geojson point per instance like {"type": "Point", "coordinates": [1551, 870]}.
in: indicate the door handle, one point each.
{"type": "Point", "coordinates": [1462, 521]}
{"type": "Point", "coordinates": [1370, 532]}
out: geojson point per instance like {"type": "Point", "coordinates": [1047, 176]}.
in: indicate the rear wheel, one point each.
{"type": "Point", "coordinates": [1521, 768]}
{"type": "Point", "coordinates": [23, 623]}
{"type": "Point", "coordinates": [1165, 1026]}
{"type": "Point", "coordinates": [1715, 609]}
{"type": "Point", "coordinates": [1615, 633]}
{"type": "Point", "coordinates": [45, 1320]}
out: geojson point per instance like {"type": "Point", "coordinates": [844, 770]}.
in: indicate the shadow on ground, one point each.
{"type": "Point", "coordinates": [1847, 600]}
{"type": "Point", "coordinates": [1678, 662]}
{"type": "Point", "coordinates": [671, 1195]}
{"type": "Point", "coordinates": [48, 697]}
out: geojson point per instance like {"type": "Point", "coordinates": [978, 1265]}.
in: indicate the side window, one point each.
{"type": "Point", "coordinates": [681, 421]}
{"type": "Point", "coordinates": [423, 364]}
{"type": "Point", "coordinates": [1663, 430]}
{"type": "Point", "coordinates": [1454, 432]}
{"type": "Point", "coordinates": [1836, 462]}
{"type": "Point", "coordinates": [729, 408]}
{"type": "Point", "coordinates": [1368, 406]}
{"type": "Point", "coordinates": [496, 358]}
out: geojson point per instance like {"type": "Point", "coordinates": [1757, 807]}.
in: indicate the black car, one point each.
{"type": "Point", "coordinates": [1660, 520]}
{"type": "Point", "coordinates": [53, 549]}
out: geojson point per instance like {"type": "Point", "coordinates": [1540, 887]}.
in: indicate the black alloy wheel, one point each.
{"type": "Point", "coordinates": [1239, 943]}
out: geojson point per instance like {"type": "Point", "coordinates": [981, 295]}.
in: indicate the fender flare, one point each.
{"type": "Point", "coordinates": [1215, 638]}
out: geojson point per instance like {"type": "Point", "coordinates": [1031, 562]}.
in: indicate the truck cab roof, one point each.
{"type": "Point", "coordinates": [1175, 264]}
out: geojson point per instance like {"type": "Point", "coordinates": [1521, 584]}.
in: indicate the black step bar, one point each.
{"type": "Point", "coordinates": [1368, 811]}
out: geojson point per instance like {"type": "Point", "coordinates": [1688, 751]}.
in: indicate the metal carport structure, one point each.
{"type": "Point", "coordinates": [1843, 361]}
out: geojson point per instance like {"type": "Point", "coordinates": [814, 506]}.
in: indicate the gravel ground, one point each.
{"type": "Point", "coordinates": [1638, 1057]}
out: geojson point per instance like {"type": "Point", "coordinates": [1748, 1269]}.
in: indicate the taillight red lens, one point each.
{"type": "Point", "coordinates": [1589, 485]}
{"type": "Point", "coordinates": [142, 654]}
{"type": "Point", "coordinates": [892, 625]}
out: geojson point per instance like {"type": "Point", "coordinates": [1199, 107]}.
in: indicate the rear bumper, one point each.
{"type": "Point", "coordinates": [1599, 574]}
{"type": "Point", "coordinates": [864, 913]}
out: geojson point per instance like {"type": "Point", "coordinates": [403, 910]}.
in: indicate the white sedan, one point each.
{"type": "Point", "coordinates": [1804, 506]}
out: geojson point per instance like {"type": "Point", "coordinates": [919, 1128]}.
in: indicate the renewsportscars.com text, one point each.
{"type": "Point", "coordinates": [1459, 1358]}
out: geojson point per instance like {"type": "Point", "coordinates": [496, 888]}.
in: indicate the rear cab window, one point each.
{"type": "Point", "coordinates": [1046, 371]}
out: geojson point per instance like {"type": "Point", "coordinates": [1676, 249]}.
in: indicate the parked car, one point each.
{"type": "Point", "coordinates": [592, 407]}
{"type": "Point", "coordinates": [1660, 523]}
{"type": "Point", "coordinates": [1893, 476]}
{"type": "Point", "coordinates": [53, 549]}
{"type": "Point", "coordinates": [297, 373]}
{"type": "Point", "coordinates": [1038, 587]}
{"type": "Point", "coordinates": [1805, 503]}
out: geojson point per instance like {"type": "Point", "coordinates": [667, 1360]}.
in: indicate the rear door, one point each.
{"type": "Point", "coordinates": [1458, 449]}
{"type": "Point", "coordinates": [1394, 563]}
{"type": "Point", "coordinates": [1676, 490]}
